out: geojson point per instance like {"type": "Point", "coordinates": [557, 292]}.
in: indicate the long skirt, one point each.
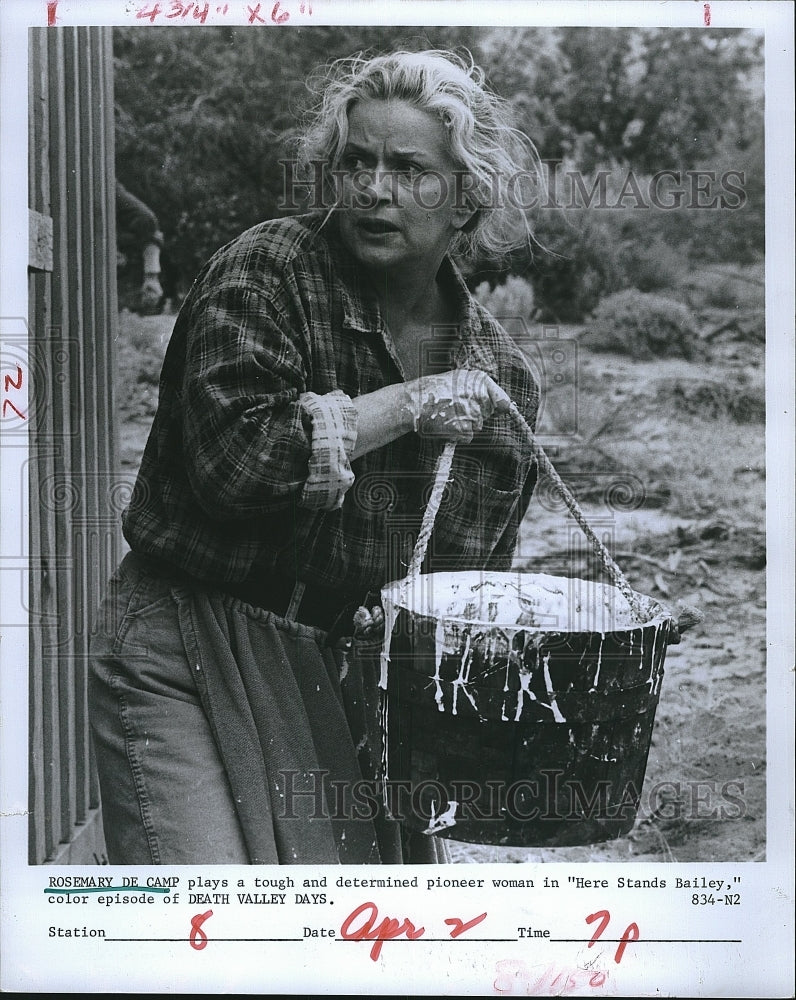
{"type": "Point", "coordinates": [226, 734]}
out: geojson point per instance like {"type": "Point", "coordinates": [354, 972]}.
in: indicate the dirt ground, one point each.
{"type": "Point", "coordinates": [686, 438]}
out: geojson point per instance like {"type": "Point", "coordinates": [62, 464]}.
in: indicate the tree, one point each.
{"type": "Point", "coordinates": [691, 96]}
{"type": "Point", "coordinates": [204, 116]}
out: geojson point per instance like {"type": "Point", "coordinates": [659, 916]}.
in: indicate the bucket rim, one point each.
{"type": "Point", "coordinates": [662, 613]}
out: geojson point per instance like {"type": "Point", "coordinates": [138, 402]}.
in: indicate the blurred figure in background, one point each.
{"type": "Point", "coordinates": [139, 241]}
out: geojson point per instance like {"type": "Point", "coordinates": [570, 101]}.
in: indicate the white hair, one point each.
{"type": "Point", "coordinates": [502, 163]}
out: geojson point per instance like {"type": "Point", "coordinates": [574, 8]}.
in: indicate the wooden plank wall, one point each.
{"type": "Point", "coordinates": [74, 534]}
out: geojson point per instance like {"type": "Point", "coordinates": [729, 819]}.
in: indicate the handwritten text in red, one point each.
{"type": "Point", "coordinates": [363, 924]}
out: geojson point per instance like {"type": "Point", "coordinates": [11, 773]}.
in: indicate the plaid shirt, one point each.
{"type": "Point", "coordinates": [246, 468]}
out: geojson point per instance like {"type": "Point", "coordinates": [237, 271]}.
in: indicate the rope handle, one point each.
{"type": "Point", "coordinates": [440, 481]}
{"type": "Point", "coordinates": [430, 514]}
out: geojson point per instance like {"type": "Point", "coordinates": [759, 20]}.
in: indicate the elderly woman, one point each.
{"type": "Point", "coordinates": [316, 368]}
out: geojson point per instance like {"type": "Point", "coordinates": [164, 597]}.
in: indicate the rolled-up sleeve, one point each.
{"type": "Point", "coordinates": [256, 437]}
{"type": "Point", "coordinates": [334, 434]}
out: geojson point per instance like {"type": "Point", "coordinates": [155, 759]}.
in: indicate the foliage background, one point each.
{"type": "Point", "coordinates": [204, 117]}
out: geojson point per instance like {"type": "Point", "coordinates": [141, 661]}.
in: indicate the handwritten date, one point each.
{"type": "Point", "coordinates": [363, 924]}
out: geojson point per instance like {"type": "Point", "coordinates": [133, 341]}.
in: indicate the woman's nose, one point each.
{"type": "Point", "coordinates": [383, 186]}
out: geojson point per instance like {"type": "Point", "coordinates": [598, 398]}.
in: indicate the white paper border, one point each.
{"type": "Point", "coordinates": [31, 962]}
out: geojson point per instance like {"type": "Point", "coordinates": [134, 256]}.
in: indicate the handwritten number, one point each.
{"type": "Point", "coordinates": [200, 11]}
{"type": "Point", "coordinates": [631, 932]}
{"type": "Point", "coordinates": [515, 977]}
{"type": "Point", "coordinates": [276, 17]}
{"type": "Point", "coordinates": [198, 937]}
{"type": "Point", "coordinates": [152, 13]}
{"type": "Point", "coordinates": [510, 972]}
{"type": "Point", "coordinates": [603, 916]}
{"type": "Point", "coordinates": [460, 926]}
{"type": "Point", "coordinates": [7, 402]}
{"type": "Point", "coordinates": [8, 381]}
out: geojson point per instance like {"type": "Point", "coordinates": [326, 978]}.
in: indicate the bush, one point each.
{"type": "Point", "coordinates": [720, 287]}
{"type": "Point", "coordinates": [652, 266]}
{"type": "Point", "coordinates": [722, 293]}
{"type": "Point", "coordinates": [511, 301]}
{"type": "Point", "coordinates": [580, 263]}
{"type": "Point", "coordinates": [643, 326]}
{"type": "Point", "coordinates": [734, 398]}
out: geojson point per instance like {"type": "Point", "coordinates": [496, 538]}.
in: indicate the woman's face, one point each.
{"type": "Point", "coordinates": [397, 188]}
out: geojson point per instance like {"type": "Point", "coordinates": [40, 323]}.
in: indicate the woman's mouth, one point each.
{"type": "Point", "coordinates": [377, 227]}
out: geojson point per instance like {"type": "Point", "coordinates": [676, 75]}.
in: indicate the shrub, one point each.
{"type": "Point", "coordinates": [643, 326]}
{"type": "Point", "coordinates": [513, 300]}
{"type": "Point", "coordinates": [734, 398]}
{"type": "Point", "coordinates": [734, 288]}
{"type": "Point", "coordinates": [578, 265]}
{"type": "Point", "coordinates": [652, 266]}
{"type": "Point", "coordinates": [722, 293]}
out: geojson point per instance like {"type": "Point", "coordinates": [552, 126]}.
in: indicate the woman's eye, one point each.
{"type": "Point", "coordinates": [351, 161]}
{"type": "Point", "coordinates": [408, 169]}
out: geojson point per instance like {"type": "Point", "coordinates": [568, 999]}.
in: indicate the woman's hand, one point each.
{"type": "Point", "coordinates": [454, 404]}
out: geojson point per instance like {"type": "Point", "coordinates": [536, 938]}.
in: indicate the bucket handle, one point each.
{"type": "Point", "coordinates": [441, 479]}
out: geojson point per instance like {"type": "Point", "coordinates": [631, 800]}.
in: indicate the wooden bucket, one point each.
{"type": "Point", "coordinates": [529, 729]}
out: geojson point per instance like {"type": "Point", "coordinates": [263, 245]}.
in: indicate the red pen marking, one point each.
{"type": "Point", "coordinates": [276, 17]}
{"type": "Point", "coordinates": [387, 930]}
{"type": "Point", "coordinates": [52, 8]}
{"type": "Point", "coordinates": [198, 937]}
{"type": "Point", "coordinates": [9, 383]}
{"type": "Point", "coordinates": [254, 14]}
{"type": "Point", "coordinates": [460, 926]}
{"type": "Point", "coordinates": [631, 932]}
{"type": "Point", "coordinates": [7, 402]}
{"type": "Point", "coordinates": [152, 13]}
{"type": "Point", "coordinates": [603, 916]}
{"type": "Point", "coordinates": [516, 977]}
{"type": "Point", "coordinates": [706, 16]}
{"type": "Point", "coordinates": [179, 9]}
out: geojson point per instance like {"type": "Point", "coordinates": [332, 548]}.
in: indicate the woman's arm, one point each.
{"type": "Point", "coordinates": [451, 406]}
{"type": "Point", "coordinates": [247, 437]}
{"type": "Point", "coordinates": [256, 436]}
